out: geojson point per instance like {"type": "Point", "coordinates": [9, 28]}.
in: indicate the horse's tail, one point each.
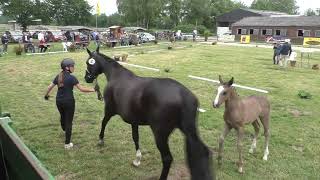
{"type": "Point", "coordinates": [198, 155]}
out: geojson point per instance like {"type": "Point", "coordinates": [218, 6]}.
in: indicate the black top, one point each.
{"type": "Point", "coordinates": [66, 92]}
{"type": "Point", "coordinates": [286, 49]}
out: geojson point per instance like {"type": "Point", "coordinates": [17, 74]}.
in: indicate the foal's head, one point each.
{"type": "Point", "coordinates": [94, 67]}
{"type": "Point", "coordinates": [224, 92]}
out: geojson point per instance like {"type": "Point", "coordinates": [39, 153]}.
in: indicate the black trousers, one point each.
{"type": "Point", "coordinates": [66, 109]}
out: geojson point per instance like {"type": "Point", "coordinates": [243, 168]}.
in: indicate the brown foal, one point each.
{"type": "Point", "coordinates": [239, 112]}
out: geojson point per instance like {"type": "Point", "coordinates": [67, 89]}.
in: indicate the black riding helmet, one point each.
{"type": "Point", "coordinates": [67, 63]}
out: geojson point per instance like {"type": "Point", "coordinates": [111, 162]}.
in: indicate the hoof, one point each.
{"type": "Point", "coordinates": [240, 170]}
{"type": "Point", "coordinates": [136, 163]}
{"type": "Point", "coordinates": [265, 158]}
{"type": "Point", "coordinates": [101, 142]}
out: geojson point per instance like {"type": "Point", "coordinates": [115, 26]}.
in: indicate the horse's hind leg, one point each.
{"type": "Point", "coordinates": [256, 126]}
{"type": "Point", "coordinates": [161, 137]}
{"type": "Point", "coordinates": [135, 136]}
{"type": "Point", "coordinates": [265, 122]}
{"type": "Point", "coordinates": [240, 132]}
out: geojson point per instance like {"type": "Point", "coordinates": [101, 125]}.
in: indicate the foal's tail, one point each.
{"type": "Point", "coordinates": [198, 154]}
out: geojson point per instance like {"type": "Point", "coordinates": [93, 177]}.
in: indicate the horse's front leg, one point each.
{"type": "Point", "coordinates": [103, 126]}
{"type": "Point", "coordinates": [225, 132]}
{"type": "Point", "coordinates": [135, 137]}
{"type": "Point", "coordinates": [240, 131]}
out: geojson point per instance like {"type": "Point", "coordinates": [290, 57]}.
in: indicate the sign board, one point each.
{"type": "Point", "coordinates": [245, 39]}
{"type": "Point", "coordinates": [310, 41]}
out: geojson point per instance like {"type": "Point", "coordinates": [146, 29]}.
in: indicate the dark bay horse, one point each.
{"type": "Point", "coordinates": [239, 112]}
{"type": "Point", "coordinates": [162, 103]}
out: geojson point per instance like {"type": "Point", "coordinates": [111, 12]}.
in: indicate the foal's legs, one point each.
{"type": "Point", "coordinates": [135, 136]}
{"type": "Point", "coordinates": [265, 122]}
{"type": "Point", "coordinates": [225, 132]}
{"type": "Point", "coordinates": [256, 133]}
{"type": "Point", "coordinates": [240, 132]}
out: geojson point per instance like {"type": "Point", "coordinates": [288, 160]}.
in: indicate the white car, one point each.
{"type": "Point", "coordinates": [146, 37]}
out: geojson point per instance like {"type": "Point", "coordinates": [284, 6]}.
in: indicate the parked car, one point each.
{"type": "Point", "coordinates": [15, 36]}
{"type": "Point", "coordinates": [57, 36]}
{"type": "Point", "coordinates": [146, 37]}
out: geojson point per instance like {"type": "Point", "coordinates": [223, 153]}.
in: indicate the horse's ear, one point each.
{"type": "Point", "coordinates": [97, 50]}
{"type": "Point", "coordinates": [89, 52]}
{"type": "Point", "coordinates": [220, 79]}
{"type": "Point", "coordinates": [230, 82]}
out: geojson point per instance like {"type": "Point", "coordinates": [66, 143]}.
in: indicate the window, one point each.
{"type": "Point", "coordinates": [254, 31]}
{"type": "Point", "coordinates": [306, 33]}
{"type": "Point", "coordinates": [242, 31]}
{"type": "Point", "coordinates": [317, 33]}
{"type": "Point", "coordinates": [277, 32]}
{"type": "Point", "coordinates": [283, 32]}
{"type": "Point", "coordinates": [239, 31]}
{"type": "Point", "coordinates": [300, 32]}
{"type": "Point", "coordinates": [266, 31]}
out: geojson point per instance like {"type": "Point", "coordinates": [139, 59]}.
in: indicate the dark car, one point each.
{"type": "Point", "coordinates": [14, 36]}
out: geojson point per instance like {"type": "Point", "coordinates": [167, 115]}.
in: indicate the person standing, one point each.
{"type": "Point", "coordinates": [5, 41]}
{"type": "Point", "coordinates": [65, 100]}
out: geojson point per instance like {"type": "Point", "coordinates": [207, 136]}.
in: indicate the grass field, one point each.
{"type": "Point", "coordinates": [295, 123]}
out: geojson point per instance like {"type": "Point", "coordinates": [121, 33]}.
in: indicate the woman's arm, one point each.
{"type": "Point", "coordinates": [84, 89]}
{"type": "Point", "coordinates": [50, 87]}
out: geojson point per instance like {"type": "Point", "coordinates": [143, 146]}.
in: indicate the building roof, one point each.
{"type": "Point", "coordinates": [280, 21]}
{"type": "Point", "coordinates": [264, 13]}
{"type": "Point", "coordinates": [75, 28]}
{"type": "Point", "coordinates": [237, 14]}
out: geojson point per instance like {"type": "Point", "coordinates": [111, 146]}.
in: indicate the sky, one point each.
{"type": "Point", "coordinates": [109, 6]}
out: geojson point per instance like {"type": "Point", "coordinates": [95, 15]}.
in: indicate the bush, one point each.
{"type": "Point", "coordinates": [304, 94]}
{"type": "Point", "coordinates": [18, 49]}
{"type": "Point", "coordinates": [185, 28]}
{"type": "Point", "coordinates": [167, 70]}
{"type": "Point", "coordinates": [170, 47]}
{"type": "Point", "coordinates": [72, 48]}
{"type": "Point", "coordinates": [201, 29]}
{"type": "Point", "coordinates": [206, 35]}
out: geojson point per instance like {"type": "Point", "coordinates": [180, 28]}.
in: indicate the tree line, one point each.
{"type": "Point", "coordinates": [160, 14]}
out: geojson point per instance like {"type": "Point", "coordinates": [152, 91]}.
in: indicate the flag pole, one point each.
{"type": "Point", "coordinates": [96, 21]}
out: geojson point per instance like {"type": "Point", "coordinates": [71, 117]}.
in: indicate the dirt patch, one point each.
{"type": "Point", "coordinates": [65, 176]}
{"type": "Point", "coordinates": [179, 172]}
{"type": "Point", "coordinates": [298, 148]}
{"type": "Point", "coordinates": [297, 113]}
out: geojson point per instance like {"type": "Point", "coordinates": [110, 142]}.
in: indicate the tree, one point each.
{"type": "Point", "coordinates": [69, 12]}
{"type": "Point", "coordinates": [139, 12]}
{"type": "Point", "coordinates": [20, 10]}
{"type": "Point", "coordinates": [287, 6]}
{"type": "Point", "coordinates": [310, 12]}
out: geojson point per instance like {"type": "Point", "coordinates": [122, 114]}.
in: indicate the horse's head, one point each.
{"type": "Point", "coordinates": [223, 93]}
{"type": "Point", "coordinates": [94, 67]}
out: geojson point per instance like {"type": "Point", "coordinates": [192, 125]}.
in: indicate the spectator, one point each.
{"type": "Point", "coordinates": [285, 51]}
{"type": "Point", "coordinates": [5, 41]}
{"type": "Point", "coordinates": [194, 34]}
{"type": "Point", "coordinates": [276, 52]}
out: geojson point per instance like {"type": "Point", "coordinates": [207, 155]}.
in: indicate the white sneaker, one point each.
{"type": "Point", "coordinates": [68, 146]}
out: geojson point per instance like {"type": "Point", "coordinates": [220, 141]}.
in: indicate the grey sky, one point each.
{"type": "Point", "coordinates": [110, 7]}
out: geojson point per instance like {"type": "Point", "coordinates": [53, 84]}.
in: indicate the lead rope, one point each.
{"type": "Point", "coordinates": [4, 162]}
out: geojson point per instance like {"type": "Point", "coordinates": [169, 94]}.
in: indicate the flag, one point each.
{"type": "Point", "coordinates": [98, 7]}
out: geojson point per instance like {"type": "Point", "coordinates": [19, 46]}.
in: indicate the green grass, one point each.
{"type": "Point", "coordinates": [294, 144]}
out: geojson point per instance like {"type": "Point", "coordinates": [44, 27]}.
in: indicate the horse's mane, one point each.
{"type": "Point", "coordinates": [113, 62]}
